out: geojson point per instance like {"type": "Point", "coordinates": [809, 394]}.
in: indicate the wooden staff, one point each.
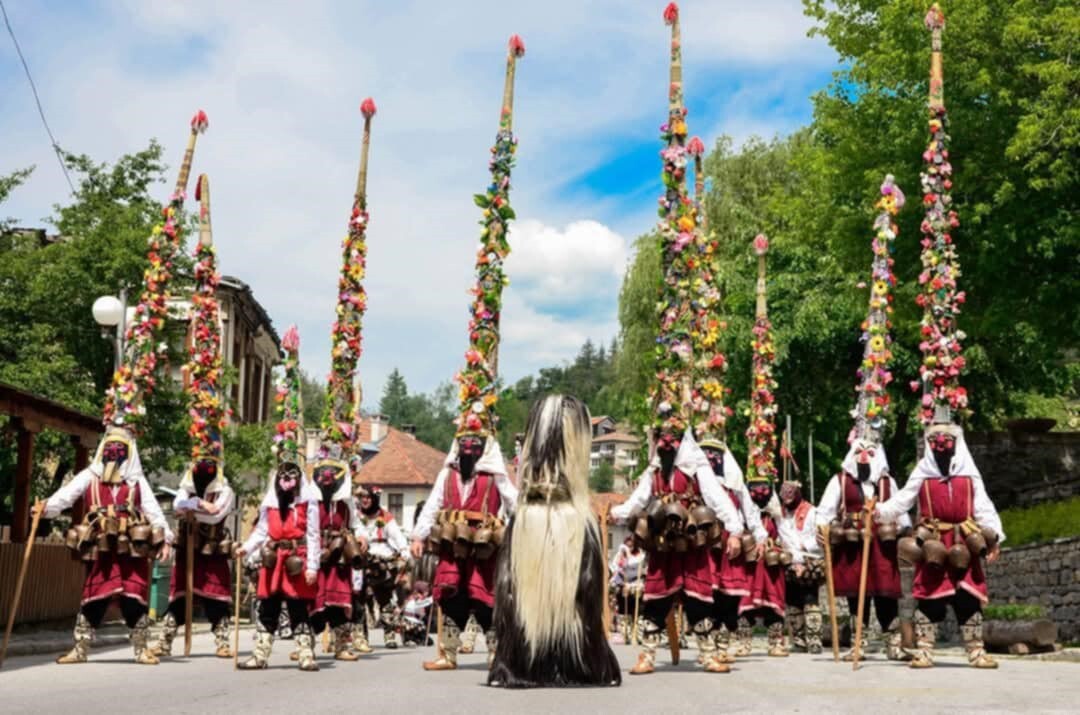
{"type": "Point", "coordinates": [867, 536]}
{"type": "Point", "coordinates": [438, 629]}
{"type": "Point", "coordinates": [604, 549]}
{"type": "Point", "coordinates": [824, 531]}
{"type": "Point", "coordinates": [674, 618]}
{"type": "Point", "coordinates": [236, 617]}
{"type": "Point", "coordinates": [189, 580]}
{"type": "Point", "coordinates": [39, 509]}
{"type": "Point", "coordinates": [637, 605]}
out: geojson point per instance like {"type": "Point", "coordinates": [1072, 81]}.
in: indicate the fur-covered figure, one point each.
{"type": "Point", "coordinates": [551, 569]}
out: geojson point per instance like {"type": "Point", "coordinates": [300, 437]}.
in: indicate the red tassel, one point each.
{"type": "Point", "coordinates": [671, 13]}
{"type": "Point", "coordinates": [695, 147]}
{"type": "Point", "coordinates": [199, 122]}
{"type": "Point", "coordinates": [198, 189]}
{"type": "Point", "coordinates": [517, 46]}
{"type": "Point", "coordinates": [367, 108]}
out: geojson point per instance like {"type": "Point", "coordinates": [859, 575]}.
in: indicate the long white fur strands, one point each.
{"type": "Point", "coordinates": [548, 536]}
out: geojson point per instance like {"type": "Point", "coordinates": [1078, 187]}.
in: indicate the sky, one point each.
{"type": "Point", "coordinates": [282, 83]}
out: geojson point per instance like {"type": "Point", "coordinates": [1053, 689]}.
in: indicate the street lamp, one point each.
{"type": "Point", "coordinates": [111, 312]}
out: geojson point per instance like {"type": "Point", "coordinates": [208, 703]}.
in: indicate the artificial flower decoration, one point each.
{"type": "Point", "coordinates": [873, 375]}
{"type": "Point", "coordinates": [145, 348]}
{"type": "Point", "coordinates": [288, 433]}
{"type": "Point", "coordinates": [477, 392]}
{"type": "Point", "coordinates": [338, 432]}
{"type": "Point", "coordinates": [939, 298]}
{"type": "Point", "coordinates": [205, 405]}
{"type": "Point", "coordinates": [671, 397]}
{"type": "Point", "coordinates": [761, 434]}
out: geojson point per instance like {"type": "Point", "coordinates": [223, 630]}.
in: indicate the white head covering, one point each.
{"type": "Point", "coordinates": [131, 470]}
{"type": "Point", "coordinates": [879, 464]}
{"type": "Point", "coordinates": [308, 492]}
{"type": "Point", "coordinates": [345, 489]}
{"type": "Point", "coordinates": [962, 464]}
{"type": "Point", "coordinates": [690, 459]}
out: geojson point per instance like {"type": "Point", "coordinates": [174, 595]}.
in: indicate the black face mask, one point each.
{"type": "Point", "coordinates": [943, 458]}
{"type": "Point", "coordinates": [203, 474]}
{"type": "Point", "coordinates": [373, 508]}
{"type": "Point", "coordinates": [329, 480]}
{"type": "Point", "coordinates": [862, 471]}
{"type": "Point", "coordinates": [470, 449]}
{"type": "Point", "coordinates": [716, 461]}
{"type": "Point", "coordinates": [286, 497]}
{"type": "Point", "coordinates": [667, 460]}
{"type": "Point", "coordinates": [761, 496]}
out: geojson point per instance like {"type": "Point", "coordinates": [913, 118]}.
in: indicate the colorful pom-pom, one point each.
{"type": "Point", "coordinates": [671, 13]}
{"type": "Point", "coordinates": [367, 108]}
{"type": "Point", "coordinates": [517, 46]}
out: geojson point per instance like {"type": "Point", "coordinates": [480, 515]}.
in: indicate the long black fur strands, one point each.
{"type": "Point", "coordinates": [550, 572]}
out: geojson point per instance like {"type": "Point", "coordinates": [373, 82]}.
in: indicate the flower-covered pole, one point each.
{"type": "Point", "coordinates": [710, 365]}
{"type": "Point", "coordinates": [477, 394]}
{"type": "Point", "coordinates": [145, 344]}
{"type": "Point", "coordinates": [288, 444]}
{"type": "Point", "coordinates": [872, 404]}
{"type": "Point", "coordinates": [338, 431]}
{"type": "Point", "coordinates": [941, 345]}
{"type": "Point", "coordinates": [671, 395]}
{"type": "Point", "coordinates": [761, 434]}
{"type": "Point", "coordinates": [205, 406]}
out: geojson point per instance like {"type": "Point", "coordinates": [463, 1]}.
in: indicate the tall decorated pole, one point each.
{"type": "Point", "coordinates": [709, 413]}
{"type": "Point", "coordinates": [872, 403]}
{"type": "Point", "coordinates": [941, 346]}
{"type": "Point", "coordinates": [145, 344]}
{"type": "Point", "coordinates": [288, 441]}
{"type": "Point", "coordinates": [671, 394]}
{"type": "Point", "coordinates": [761, 434]}
{"type": "Point", "coordinates": [477, 394]}
{"type": "Point", "coordinates": [338, 428]}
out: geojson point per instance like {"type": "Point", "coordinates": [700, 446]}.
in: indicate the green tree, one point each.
{"type": "Point", "coordinates": [602, 479]}
{"type": "Point", "coordinates": [313, 398]}
{"type": "Point", "coordinates": [394, 402]}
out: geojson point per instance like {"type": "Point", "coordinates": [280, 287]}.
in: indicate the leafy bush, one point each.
{"type": "Point", "coordinates": [1043, 522]}
{"type": "Point", "coordinates": [1013, 612]}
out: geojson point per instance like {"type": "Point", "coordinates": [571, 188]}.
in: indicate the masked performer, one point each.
{"type": "Point", "coordinates": [123, 524]}
{"type": "Point", "coordinates": [204, 498]}
{"type": "Point", "coordinates": [287, 532]}
{"type": "Point", "coordinates": [798, 533]}
{"type": "Point", "coordinates": [384, 562]}
{"type": "Point", "coordinates": [473, 485]}
{"type": "Point", "coordinates": [548, 602]}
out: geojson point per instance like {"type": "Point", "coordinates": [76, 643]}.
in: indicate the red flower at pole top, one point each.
{"type": "Point", "coordinates": [290, 341]}
{"type": "Point", "coordinates": [695, 147]}
{"type": "Point", "coordinates": [367, 108]}
{"type": "Point", "coordinates": [671, 13]}
{"type": "Point", "coordinates": [199, 122]}
{"type": "Point", "coordinates": [517, 46]}
{"type": "Point", "coordinates": [935, 18]}
{"type": "Point", "coordinates": [761, 244]}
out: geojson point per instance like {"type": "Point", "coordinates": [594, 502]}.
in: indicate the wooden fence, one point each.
{"type": "Point", "coordinates": [53, 585]}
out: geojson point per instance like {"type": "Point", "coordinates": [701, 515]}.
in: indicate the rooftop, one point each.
{"type": "Point", "coordinates": [616, 437]}
{"type": "Point", "coordinates": [400, 460]}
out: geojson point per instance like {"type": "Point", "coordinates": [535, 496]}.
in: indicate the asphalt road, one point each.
{"type": "Point", "coordinates": [393, 682]}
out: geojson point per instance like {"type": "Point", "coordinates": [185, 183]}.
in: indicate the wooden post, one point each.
{"type": "Point", "coordinates": [824, 531]}
{"type": "Point", "coordinates": [39, 509]}
{"type": "Point", "coordinates": [236, 614]}
{"type": "Point", "coordinates": [867, 536]}
{"type": "Point", "coordinates": [189, 581]}
{"type": "Point", "coordinates": [604, 548]}
{"type": "Point", "coordinates": [24, 470]}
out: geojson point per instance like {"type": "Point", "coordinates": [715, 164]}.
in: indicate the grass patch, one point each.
{"type": "Point", "coordinates": [1042, 522]}
{"type": "Point", "coordinates": [1013, 612]}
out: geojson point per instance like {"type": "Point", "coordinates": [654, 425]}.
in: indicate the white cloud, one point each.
{"type": "Point", "coordinates": [282, 82]}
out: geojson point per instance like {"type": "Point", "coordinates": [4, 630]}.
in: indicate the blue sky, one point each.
{"type": "Point", "coordinates": [282, 83]}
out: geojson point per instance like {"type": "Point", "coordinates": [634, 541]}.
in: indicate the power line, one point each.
{"type": "Point", "coordinates": [37, 100]}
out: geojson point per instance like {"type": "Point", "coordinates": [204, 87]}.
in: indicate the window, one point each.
{"type": "Point", "coordinates": [396, 504]}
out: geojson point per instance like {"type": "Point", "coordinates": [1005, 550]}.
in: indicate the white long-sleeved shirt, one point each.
{"type": "Point", "coordinates": [508, 494]}
{"type": "Point", "coordinates": [391, 544]}
{"type": "Point", "coordinates": [829, 506]}
{"type": "Point", "coordinates": [711, 493]}
{"type": "Point", "coordinates": [224, 501]}
{"type": "Point", "coordinates": [905, 500]}
{"type": "Point", "coordinates": [261, 534]}
{"type": "Point", "coordinates": [67, 495]}
{"type": "Point", "coordinates": [802, 543]}
{"type": "Point", "coordinates": [751, 515]}
{"type": "Point", "coordinates": [627, 567]}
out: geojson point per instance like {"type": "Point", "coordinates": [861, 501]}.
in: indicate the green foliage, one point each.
{"type": "Point", "coordinates": [1013, 612]}
{"type": "Point", "coordinates": [313, 399]}
{"type": "Point", "coordinates": [1042, 522]}
{"type": "Point", "coordinates": [8, 184]}
{"type": "Point", "coordinates": [602, 479]}
{"type": "Point", "coordinates": [248, 460]}
{"type": "Point", "coordinates": [394, 398]}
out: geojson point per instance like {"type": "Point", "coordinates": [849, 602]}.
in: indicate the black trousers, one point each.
{"type": "Point", "coordinates": [458, 608]}
{"type": "Point", "coordinates": [801, 595]}
{"type": "Point", "coordinates": [270, 612]}
{"type": "Point", "coordinates": [964, 606]}
{"type": "Point", "coordinates": [130, 608]}
{"type": "Point", "coordinates": [726, 610]}
{"type": "Point", "coordinates": [215, 611]}
{"type": "Point", "coordinates": [886, 609]}
{"type": "Point", "coordinates": [333, 616]}
{"type": "Point", "coordinates": [655, 611]}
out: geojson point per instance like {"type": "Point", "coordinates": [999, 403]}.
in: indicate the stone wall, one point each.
{"type": "Point", "coordinates": [1022, 469]}
{"type": "Point", "coordinates": [1046, 574]}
